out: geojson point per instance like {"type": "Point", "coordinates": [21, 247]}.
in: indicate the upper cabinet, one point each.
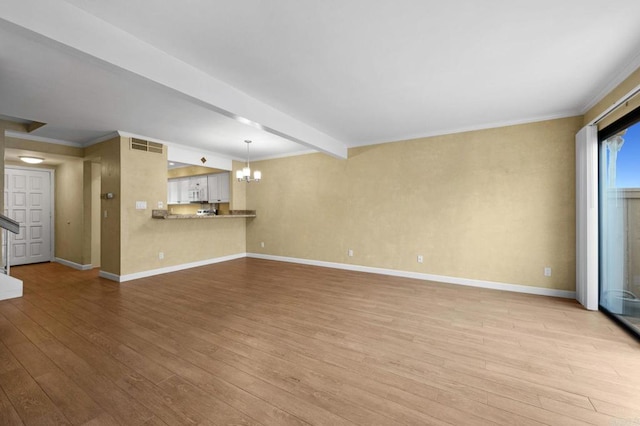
{"type": "Point", "coordinates": [219, 187]}
{"type": "Point", "coordinates": [214, 188]}
{"type": "Point", "coordinates": [173, 192]}
{"type": "Point", "coordinates": [198, 189]}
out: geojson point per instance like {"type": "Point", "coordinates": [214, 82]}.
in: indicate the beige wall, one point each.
{"type": "Point", "coordinates": [69, 221]}
{"type": "Point", "coordinates": [144, 177]}
{"type": "Point", "coordinates": [495, 205]}
{"type": "Point", "coordinates": [181, 241]}
{"type": "Point", "coordinates": [238, 189]}
{"type": "Point", "coordinates": [108, 153]}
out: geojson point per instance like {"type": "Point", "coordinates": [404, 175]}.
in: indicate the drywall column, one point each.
{"type": "Point", "coordinates": [95, 214]}
{"type": "Point", "coordinates": [109, 154]}
{"type": "Point", "coordinates": [86, 212]}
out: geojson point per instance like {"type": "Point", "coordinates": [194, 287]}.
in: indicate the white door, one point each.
{"type": "Point", "coordinates": [28, 201]}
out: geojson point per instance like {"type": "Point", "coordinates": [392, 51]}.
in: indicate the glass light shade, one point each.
{"type": "Point", "coordinates": [31, 160]}
{"type": "Point", "coordinates": [246, 172]}
{"type": "Point", "coordinates": [239, 174]}
{"type": "Point", "coordinates": [257, 175]}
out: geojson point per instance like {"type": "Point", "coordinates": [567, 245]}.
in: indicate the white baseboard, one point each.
{"type": "Point", "coordinates": [73, 265]}
{"type": "Point", "coordinates": [10, 287]}
{"type": "Point", "coordinates": [159, 271]}
{"type": "Point", "coordinates": [109, 276]}
{"type": "Point", "coordinates": [517, 288]}
{"type": "Point", "coordinates": [420, 276]}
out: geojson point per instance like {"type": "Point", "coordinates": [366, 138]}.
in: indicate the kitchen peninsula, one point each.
{"type": "Point", "coordinates": [164, 214]}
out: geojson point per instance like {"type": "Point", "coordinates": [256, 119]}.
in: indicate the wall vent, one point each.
{"type": "Point", "coordinates": [142, 145]}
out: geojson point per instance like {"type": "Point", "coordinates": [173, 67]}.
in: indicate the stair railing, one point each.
{"type": "Point", "coordinates": [8, 225]}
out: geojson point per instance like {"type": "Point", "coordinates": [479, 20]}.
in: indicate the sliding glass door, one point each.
{"type": "Point", "coordinates": [620, 220]}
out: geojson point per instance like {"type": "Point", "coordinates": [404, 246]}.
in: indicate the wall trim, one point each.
{"type": "Point", "coordinates": [517, 288]}
{"type": "Point", "coordinates": [166, 270]}
{"type": "Point", "coordinates": [73, 265]}
{"type": "Point", "coordinates": [473, 128]}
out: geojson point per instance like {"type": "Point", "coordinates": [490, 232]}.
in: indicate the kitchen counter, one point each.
{"type": "Point", "coordinates": [164, 214]}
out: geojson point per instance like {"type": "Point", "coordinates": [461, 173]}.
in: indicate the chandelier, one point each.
{"type": "Point", "coordinates": [244, 175]}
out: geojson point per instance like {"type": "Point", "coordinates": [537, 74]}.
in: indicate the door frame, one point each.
{"type": "Point", "coordinates": [52, 184]}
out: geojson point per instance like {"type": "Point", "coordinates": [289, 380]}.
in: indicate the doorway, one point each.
{"type": "Point", "coordinates": [28, 200]}
{"type": "Point", "coordinates": [619, 184]}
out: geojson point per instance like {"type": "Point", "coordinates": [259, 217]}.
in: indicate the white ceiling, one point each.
{"type": "Point", "coordinates": [321, 75]}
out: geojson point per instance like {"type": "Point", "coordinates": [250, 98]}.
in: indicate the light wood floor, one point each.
{"type": "Point", "coordinates": [259, 342]}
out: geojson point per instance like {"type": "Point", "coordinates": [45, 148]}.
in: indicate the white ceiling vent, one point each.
{"type": "Point", "coordinates": [142, 145]}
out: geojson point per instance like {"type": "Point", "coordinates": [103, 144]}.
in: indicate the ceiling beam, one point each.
{"type": "Point", "coordinates": [76, 29]}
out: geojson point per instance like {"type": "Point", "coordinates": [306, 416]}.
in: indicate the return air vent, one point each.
{"type": "Point", "coordinates": [142, 145]}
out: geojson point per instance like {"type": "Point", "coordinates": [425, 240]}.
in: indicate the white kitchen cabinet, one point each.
{"type": "Point", "coordinates": [219, 191]}
{"type": "Point", "coordinates": [213, 188]}
{"type": "Point", "coordinates": [173, 193]}
{"type": "Point", "coordinates": [178, 191]}
{"type": "Point", "coordinates": [198, 188]}
{"type": "Point", "coordinates": [183, 191]}
{"type": "Point", "coordinates": [186, 190]}
{"type": "Point", "coordinates": [224, 187]}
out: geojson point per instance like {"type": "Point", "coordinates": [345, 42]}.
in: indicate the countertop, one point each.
{"type": "Point", "coordinates": [164, 214]}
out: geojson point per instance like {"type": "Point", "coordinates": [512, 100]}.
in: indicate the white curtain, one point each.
{"type": "Point", "coordinates": [587, 217]}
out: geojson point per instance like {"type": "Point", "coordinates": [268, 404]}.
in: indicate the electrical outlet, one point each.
{"type": "Point", "coordinates": [420, 259]}
{"type": "Point", "coordinates": [547, 271]}
{"type": "Point", "coordinates": [160, 204]}
{"type": "Point", "coordinates": [262, 244]}
{"type": "Point", "coordinates": [350, 253]}
{"type": "Point", "coordinates": [160, 255]}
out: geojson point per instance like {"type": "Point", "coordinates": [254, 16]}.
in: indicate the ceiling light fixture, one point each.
{"type": "Point", "coordinates": [244, 175]}
{"type": "Point", "coordinates": [31, 160]}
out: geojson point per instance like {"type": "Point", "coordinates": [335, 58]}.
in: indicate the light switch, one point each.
{"type": "Point", "coordinates": [141, 205]}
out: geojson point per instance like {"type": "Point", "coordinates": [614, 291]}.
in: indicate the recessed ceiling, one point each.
{"type": "Point", "coordinates": [321, 75]}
